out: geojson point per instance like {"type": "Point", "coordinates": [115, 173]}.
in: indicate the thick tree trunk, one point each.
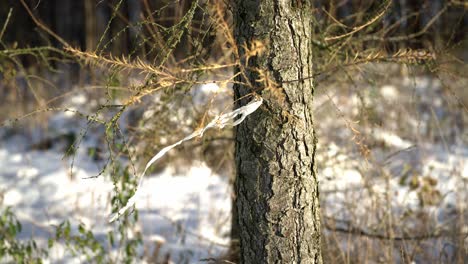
{"type": "Point", "coordinates": [277, 187]}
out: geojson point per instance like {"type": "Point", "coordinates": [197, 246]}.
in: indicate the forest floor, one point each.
{"type": "Point", "coordinates": [392, 162]}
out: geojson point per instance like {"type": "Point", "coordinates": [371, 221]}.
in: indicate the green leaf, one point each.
{"type": "Point", "coordinates": [110, 236]}
{"type": "Point", "coordinates": [66, 231]}
{"type": "Point", "coordinates": [81, 229]}
{"type": "Point", "coordinates": [50, 242]}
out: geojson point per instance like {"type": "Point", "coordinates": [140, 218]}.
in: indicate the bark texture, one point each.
{"type": "Point", "coordinates": [277, 187]}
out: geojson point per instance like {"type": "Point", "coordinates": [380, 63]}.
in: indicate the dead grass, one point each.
{"type": "Point", "coordinates": [393, 206]}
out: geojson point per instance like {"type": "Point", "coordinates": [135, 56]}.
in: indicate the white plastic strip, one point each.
{"type": "Point", "coordinates": [218, 122]}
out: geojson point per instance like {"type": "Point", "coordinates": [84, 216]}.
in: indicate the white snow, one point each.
{"type": "Point", "coordinates": [39, 186]}
{"type": "Point", "coordinates": [389, 92]}
{"type": "Point", "coordinates": [391, 139]}
{"type": "Point", "coordinates": [12, 198]}
{"type": "Point", "coordinates": [189, 213]}
{"type": "Point", "coordinates": [202, 94]}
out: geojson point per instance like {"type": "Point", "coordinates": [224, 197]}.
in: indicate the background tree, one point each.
{"type": "Point", "coordinates": [277, 187]}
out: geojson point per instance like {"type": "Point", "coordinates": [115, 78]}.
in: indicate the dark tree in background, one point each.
{"type": "Point", "coordinates": [83, 23]}
{"type": "Point", "coordinates": [277, 187]}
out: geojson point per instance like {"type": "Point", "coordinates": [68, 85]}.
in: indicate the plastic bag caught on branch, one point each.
{"type": "Point", "coordinates": [227, 119]}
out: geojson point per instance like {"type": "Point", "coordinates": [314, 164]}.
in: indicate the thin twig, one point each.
{"type": "Point", "coordinates": [40, 24]}
{"type": "Point", "coordinates": [6, 23]}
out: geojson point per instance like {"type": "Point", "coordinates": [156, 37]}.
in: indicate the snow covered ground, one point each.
{"type": "Point", "coordinates": [394, 156]}
{"type": "Point", "coordinates": [189, 213]}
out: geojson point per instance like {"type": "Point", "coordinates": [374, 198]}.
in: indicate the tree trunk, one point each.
{"type": "Point", "coordinates": [277, 187]}
{"type": "Point", "coordinates": [90, 25]}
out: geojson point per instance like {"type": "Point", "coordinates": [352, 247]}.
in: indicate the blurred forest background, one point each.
{"type": "Point", "coordinates": [79, 82]}
{"type": "Point", "coordinates": [141, 28]}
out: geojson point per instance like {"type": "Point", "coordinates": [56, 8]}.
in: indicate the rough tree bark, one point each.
{"type": "Point", "coordinates": [276, 184]}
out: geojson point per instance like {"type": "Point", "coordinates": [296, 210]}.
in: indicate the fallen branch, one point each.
{"type": "Point", "coordinates": [361, 232]}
